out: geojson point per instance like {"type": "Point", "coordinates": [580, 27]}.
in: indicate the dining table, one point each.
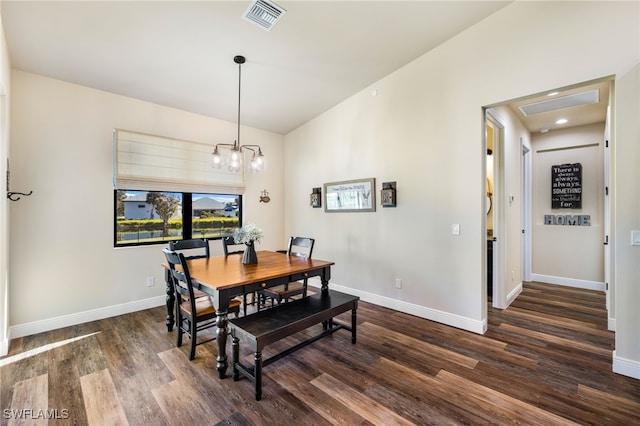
{"type": "Point", "coordinates": [226, 277]}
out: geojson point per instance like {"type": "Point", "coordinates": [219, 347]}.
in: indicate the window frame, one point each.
{"type": "Point", "coordinates": [187, 217]}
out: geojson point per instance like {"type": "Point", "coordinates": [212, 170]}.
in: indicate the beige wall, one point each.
{"type": "Point", "coordinates": [570, 255]}
{"type": "Point", "coordinates": [62, 150]}
{"type": "Point", "coordinates": [423, 130]}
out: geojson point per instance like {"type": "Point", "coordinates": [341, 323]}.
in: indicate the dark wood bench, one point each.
{"type": "Point", "coordinates": [269, 326]}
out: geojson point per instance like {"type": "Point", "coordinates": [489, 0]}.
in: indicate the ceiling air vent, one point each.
{"type": "Point", "coordinates": [578, 99]}
{"type": "Point", "coordinates": [264, 14]}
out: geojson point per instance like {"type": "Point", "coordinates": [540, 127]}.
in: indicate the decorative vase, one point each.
{"type": "Point", "coordinates": [249, 256]}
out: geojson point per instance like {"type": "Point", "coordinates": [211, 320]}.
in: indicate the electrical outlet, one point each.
{"type": "Point", "coordinates": [151, 281]}
{"type": "Point", "coordinates": [398, 283]}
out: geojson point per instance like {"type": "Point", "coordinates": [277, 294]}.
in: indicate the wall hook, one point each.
{"type": "Point", "coordinates": [11, 195]}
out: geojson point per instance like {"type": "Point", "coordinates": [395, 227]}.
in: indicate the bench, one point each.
{"type": "Point", "coordinates": [269, 326]}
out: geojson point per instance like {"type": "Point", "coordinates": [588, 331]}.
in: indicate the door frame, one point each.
{"type": "Point", "coordinates": [526, 210]}
{"type": "Point", "coordinates": [499, 228]}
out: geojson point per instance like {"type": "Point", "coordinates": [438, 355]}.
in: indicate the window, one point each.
{"type": "Point", "coordinates": [152, 217]}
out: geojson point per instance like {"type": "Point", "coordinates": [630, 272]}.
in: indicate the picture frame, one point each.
{"type": "Point", "coordinates": [350, 196]}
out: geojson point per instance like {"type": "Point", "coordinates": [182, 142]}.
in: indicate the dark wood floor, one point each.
{"type": "Point", "coordinates": [546, 360]}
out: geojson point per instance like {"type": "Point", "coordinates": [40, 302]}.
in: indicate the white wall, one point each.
{"type": "Point", "coordinates": [424, 130]}
{"type": "Point", "coordinates": [5, 80]}
{"type": "Point", "coordinates": [570, 255]}
{"type": "Point", "coordinates": [63, 264]}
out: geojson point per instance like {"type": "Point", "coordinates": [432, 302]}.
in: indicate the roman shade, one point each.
{"type": "Point", "coordinates": [156, 163]}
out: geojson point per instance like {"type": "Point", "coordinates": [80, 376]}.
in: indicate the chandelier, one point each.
{"type": "Point", "coordinates": [235, 155]}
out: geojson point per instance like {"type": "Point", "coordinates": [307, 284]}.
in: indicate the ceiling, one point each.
{"type": "Point", "coordinates": [180, 54]}
{"type": "Point", "coordinates": [577, 115]}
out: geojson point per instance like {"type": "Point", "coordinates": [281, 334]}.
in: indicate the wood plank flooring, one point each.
{"type": "Point", "coordinates": [546, 360]}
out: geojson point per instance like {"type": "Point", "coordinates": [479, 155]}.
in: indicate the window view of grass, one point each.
{"type": "Point", "coordinates": [145, 217]}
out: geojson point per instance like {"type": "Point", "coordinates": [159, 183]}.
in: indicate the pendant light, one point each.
{"type": "Point", "coordinates": [235, 155]}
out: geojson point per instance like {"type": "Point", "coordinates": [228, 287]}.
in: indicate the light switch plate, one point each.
{"type": "Point", "coordinates": [455, 229]}
{"type": "Point", "coordinates": [635, 237]}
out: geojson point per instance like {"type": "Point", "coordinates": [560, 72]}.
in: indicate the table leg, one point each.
{"type": "Point", "coordinates": [325, 286]}
{"type": "Point", "coordinates": [171, 299]}
{"type": "Point", "coordinates": [221, 339]}
{"type": "Point", "coordinates": [354, 322]}
{"type": "Point", "coordinates": [325, 277]}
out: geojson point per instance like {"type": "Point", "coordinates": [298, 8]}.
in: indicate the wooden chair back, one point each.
{"type": "Point", "coordinates": [300, 247]}
{"type": "Point", "coordinates": [229, 246]}
{"type": "Point", "coordinates": [181, 278]}
{"type": "Point", "coordinates": [192, 249]}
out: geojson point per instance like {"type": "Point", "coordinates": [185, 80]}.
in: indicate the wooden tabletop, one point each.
{"type": "Point", "coordinates": [221, 272]}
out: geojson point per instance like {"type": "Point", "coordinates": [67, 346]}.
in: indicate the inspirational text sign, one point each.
{"type": "Point", "coordinates": [566, 186]}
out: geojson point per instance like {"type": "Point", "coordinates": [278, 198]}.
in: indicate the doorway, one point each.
{"type": "Point", "coordinates": [494, 134]}
{"type": "Point", "coordinates": [513, 220]}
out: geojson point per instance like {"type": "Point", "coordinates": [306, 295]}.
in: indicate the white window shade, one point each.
{"type": "Point", "coordinates": [156, 163]}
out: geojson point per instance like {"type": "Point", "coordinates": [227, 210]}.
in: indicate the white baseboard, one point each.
{"type": "Point", "coordinates": [626, 367]}
{"type": "Point", "coordinates": [464, 323]}
{"type": "Point", "coordinates": [514, 293]}
{"type": "Point", "coordinates": [569, 282]}
{"type": "Point", "coordinates": [35, 327]}
{"type": "Point", "coordinates": [4, 347]}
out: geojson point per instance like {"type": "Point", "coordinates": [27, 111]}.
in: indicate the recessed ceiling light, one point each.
{"type": "Point", "coordinates": [544, 130]}
{"type": "Point", "coordinates": [552, 93]}
{"type": "Point", "coordinates": [561, 121]}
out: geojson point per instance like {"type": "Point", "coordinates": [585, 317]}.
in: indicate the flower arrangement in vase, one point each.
{"type": "Point", "coordinates": [248, 235]}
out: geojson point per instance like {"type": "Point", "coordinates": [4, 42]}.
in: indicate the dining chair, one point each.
{"type": "Point", "coordinates": [298, 247]}
{"type": "Point", "coordinates": [192, 249]}
{"type": "Point", "coordinates": [193, 314]}
{"type": "Point", "coordinates": [230, 247]}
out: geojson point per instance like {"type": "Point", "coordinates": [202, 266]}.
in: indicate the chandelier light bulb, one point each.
{"type": "Point", "coordinates": [257, 161]}
{"type": "Point", "coordinates": [234, 160]}
{"type": "Point", "coordinates": [216, 160]}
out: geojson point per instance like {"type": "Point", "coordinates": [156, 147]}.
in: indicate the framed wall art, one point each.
{"type": "Point", "coordinates": [350, 196]}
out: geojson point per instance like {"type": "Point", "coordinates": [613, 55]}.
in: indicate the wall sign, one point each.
{"type": "Point", "coordinates": [568, 220]}
{"type": "Point", "coordinates": [566, 186]}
